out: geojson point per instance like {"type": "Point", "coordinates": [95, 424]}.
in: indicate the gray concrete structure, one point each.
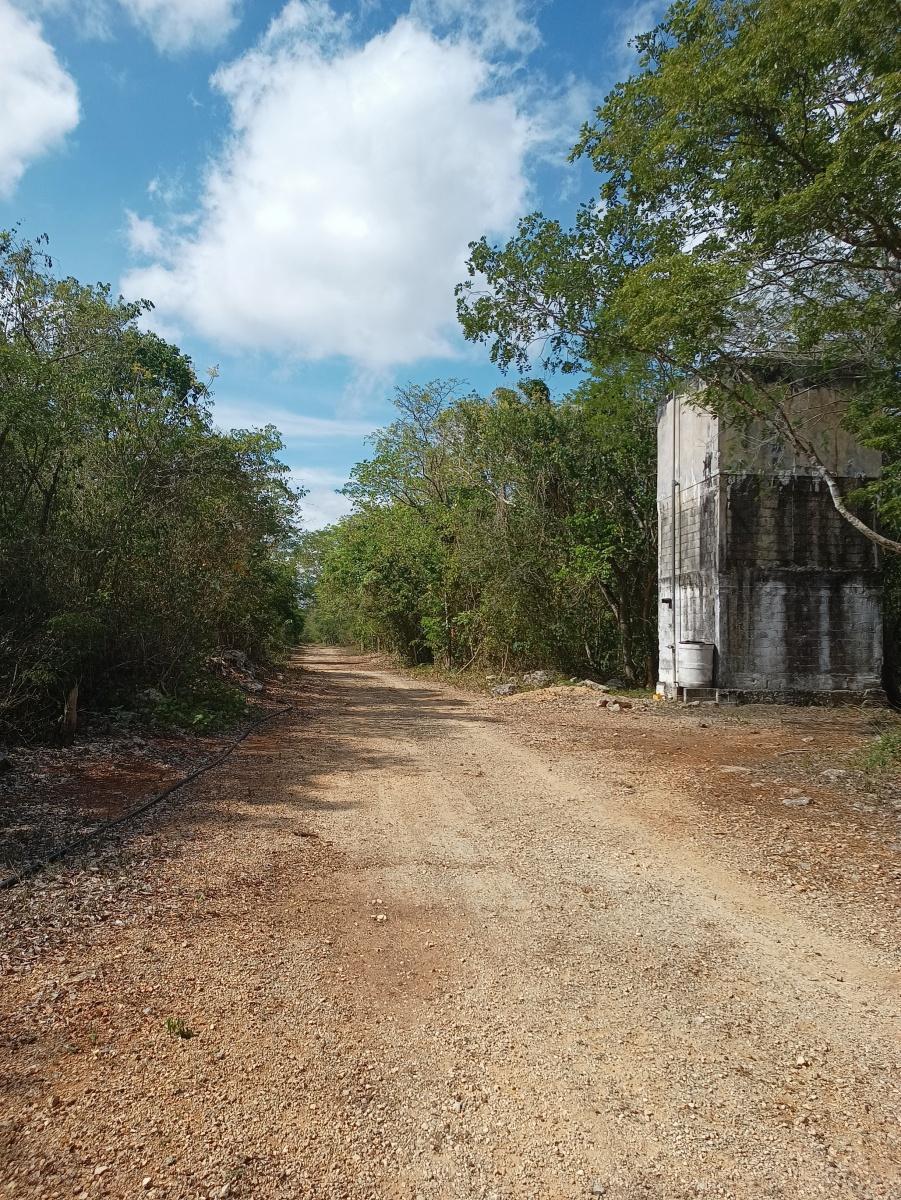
{"type": "Point", "coordinates": [758, 562]}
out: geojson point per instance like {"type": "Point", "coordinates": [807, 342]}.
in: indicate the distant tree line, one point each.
{"type": "Point", "coordinates": [135, 538]}
{"type": "Point", "coordinates": [509, 531]}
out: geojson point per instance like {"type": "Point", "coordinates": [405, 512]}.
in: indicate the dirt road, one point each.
{"type": "Point", "coordinates": [430, 945]}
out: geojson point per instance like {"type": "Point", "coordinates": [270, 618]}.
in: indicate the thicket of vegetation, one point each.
{"type": "Point", "coordinates": [746, 234]}
{"type": "Point", "coordinates": [135, 538]}
{"type": "Point", "coordinates": [509, 530]}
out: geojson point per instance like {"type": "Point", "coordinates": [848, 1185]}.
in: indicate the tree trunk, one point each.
{"type": "Point", "coordinates": [69, 720]}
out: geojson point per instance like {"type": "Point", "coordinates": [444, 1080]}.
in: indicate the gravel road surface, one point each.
{"type": "Point", "coordinates": [431, 945]}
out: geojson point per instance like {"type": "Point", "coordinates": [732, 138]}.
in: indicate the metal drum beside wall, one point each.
{"type": "Point", "coordinates": [695, 665]}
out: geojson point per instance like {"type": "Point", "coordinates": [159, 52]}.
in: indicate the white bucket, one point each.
{"type": "Point", "coordinates": [694, 666]}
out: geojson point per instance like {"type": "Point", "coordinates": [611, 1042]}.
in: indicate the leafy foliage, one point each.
{"type": "Point", "coordinates": [507, 531]}
{"type": "Point", "coordinates": [201, 705]}
{"type": "Point", "coordinates": [746, 228]}
{"type": "Point", "coordinates": [177, 1027]}
{"type": "Point", "coordinates": [135, 538]}
{"type": "Point", "coordinates": [883, 753]}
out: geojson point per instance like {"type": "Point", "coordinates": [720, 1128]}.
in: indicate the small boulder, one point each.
{"type": "Point", "coordinates": [538, 679]}
{"type": "Point", "coordinates": [503, 689]}
{"type": "Point", "coordinates": [615, 683]}
{"type": "Point", "coordinates": [592, 683]}
{"type": "Point", "coordinates": [237, 657]}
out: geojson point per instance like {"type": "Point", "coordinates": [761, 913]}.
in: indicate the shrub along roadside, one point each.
{"type": "Point", "coordinates": [204, 705]}
{"type": "Point", "coordinates": [502, 533]}
{"type": "Point", "coordinates": [136, 539]}
{"type": "Point", "coordinates": [883, 754]}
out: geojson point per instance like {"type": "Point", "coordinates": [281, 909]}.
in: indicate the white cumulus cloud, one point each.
{"type": "Point", "coordinates": [505, 25]}
{"type": "Point", "coordinates": [323, 504]}
{"type": "Point", "coordinates": [144, 236]}
{"type": "Point", "coordinates": [336, 218]}
{"type": "Point", "coordinates": [291, 424]}
{"type": "Point", "coordinates": [177, 25]}
{"type": "Point", "coordinates": [38, 98]}
{"type": "Point", "coordinates": [173, 26]}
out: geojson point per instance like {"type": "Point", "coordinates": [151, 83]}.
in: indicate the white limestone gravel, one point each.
{"type": "Point", "coordinates": [432, 945]}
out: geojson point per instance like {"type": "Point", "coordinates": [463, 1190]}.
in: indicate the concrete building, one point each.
{"type": "Point", "coordinates": [765, 591]}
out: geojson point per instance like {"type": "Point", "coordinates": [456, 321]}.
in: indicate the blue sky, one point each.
{"type": "Point", "coordinates": [294, 184]}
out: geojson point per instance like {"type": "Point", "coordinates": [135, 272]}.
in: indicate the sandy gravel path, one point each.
{"type": "Point", "coordinates": [428, 950]}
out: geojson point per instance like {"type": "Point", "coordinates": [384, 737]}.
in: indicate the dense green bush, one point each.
{"type": "Point", "coordinates": [510, 531]}
{"type": "Point", "coordinates": [135, 538]}
{"type": "Point", "coordinates": [744, 232]}
{"type": "Point", "coordinates": [201, 705]}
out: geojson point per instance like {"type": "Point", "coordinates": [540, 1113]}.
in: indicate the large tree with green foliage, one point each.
{"type": "Point", "coordinates": [135, 538]}
{"type": "Point", "coordinates": [511, 530]}
{"type": "Point", "coordinates": [747, 230]}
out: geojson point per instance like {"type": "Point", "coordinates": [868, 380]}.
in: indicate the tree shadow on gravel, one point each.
{"type": "Point", "coordinates": [340, 723]}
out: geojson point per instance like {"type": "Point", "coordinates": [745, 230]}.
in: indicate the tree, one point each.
{"type": "Point", "coordinates": [411, 493]}
{"type": "Point", "coordinates": [512, 530]}
{"type": "Point", "coordinates": [747, 229]}
{"type": "Point", "coordinates": [135, 537]}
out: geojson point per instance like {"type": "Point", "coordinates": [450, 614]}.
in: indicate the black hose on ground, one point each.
{"type": "Point", "coordinates": [41, 864]}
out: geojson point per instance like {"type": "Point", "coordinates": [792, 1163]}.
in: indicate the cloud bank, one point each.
{"type": "Point", "coordinates": [335, 219]}
{"type": "Point", "coordinates": [291, 424]}
{"type": "Point", "coordinates": [38, 98]}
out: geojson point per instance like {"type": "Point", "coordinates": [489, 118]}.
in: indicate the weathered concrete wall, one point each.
{"type": "Point", "coordinates": [691, 442]}
{"type": "Point", "coordinates": [766, 569]}
{"type": "Point", "coordinates": [817, 414]}
{"type": "Point", "coordinates": [799, 591]}
{"type": "Point", "coordinates": [687, 444]}
{"type": "Point", "coordinates": [697, 535]}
